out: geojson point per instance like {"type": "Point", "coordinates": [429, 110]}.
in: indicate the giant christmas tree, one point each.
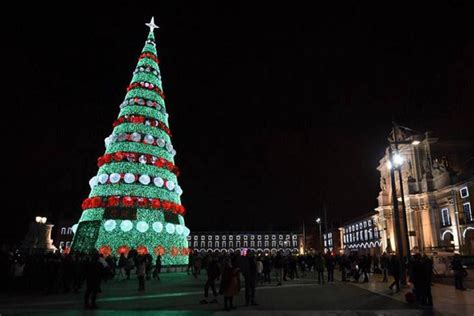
{"type": "Point", "coordinates": [134, 201]}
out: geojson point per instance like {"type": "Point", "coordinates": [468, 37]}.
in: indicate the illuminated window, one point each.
{"type": "Point", "coordinates": [445, 218]}
{"type": "Point", "coordinates": [196, 244]}
{"type": "Point", "coordinates": [295, 243]}
{"type": "Point", "coordinates": [252, 244]}
{"type": "Point", "coordinates": [237, 244]}
{"type": "Point", "coordinates": [357, 226]}
{"type": "Point", "coordinates": [274, 243]}
{"type": "Point", "coordinates": [246, 243]}
{"type": "Point", "coordinates": [369, 222]}
{"type": "Point", "coordinates": [231, 244]}
{"type": "Point", "coordinates": [464, 192]}
{"type": "Point", "coordinates": [224, 244]}
{"type": "Point", "coordinates": [365, 224]}
{"type": "Point", "coordinates": [203, 244]}
{"type": "Point", "coordinates": [259, 244]}
{"type": "Point", "coordinates": [217, 244]}
{"type": "Point", "coordinates": [209, 244]}
{"type": "Point", "coordinates": [468, 211]}
{"type": "Point", "coordinates": [266, 243]}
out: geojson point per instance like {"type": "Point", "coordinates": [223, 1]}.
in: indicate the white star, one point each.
{"type": "Point", "coordinates": [152, 24]}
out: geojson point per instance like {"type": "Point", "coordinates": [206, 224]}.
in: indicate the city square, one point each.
{"type": "Point", "coordinates": [198, 159]}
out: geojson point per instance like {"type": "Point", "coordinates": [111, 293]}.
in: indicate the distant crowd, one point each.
{"type": "Point", "coordinates": [61, 273]}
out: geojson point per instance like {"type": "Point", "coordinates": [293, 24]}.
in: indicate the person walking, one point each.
{"type": "Point", "coordinates": [213, 273]}
{"type": "Point", "coordinates": [384, 262]}
{"type": "Point", "coordinates": [251, 279]}
{"type": "Point", "coordinates": [330, 265]}
{"type": "Point", "coordinates": [395, 272]}
{"type": "Point", "coordinates": [259, 270]}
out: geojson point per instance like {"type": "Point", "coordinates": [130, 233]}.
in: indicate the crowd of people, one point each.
{"type": "Point", "coordinates": [62, 273]}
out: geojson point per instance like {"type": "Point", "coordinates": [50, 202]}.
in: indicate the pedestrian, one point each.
{"type": "Point", "coordinates": [213, 272]}
{"type": "Point", "coordinates": [129, 265]}
{"type": "Point", "coordinates": [279, 265]}
{"type": "Point", "coordinates": [267, 269]}
{"type": "Point", "coordinates": [230, 284]}
{"type": "Point", "coordinates": [319, 267]}
{"type": "Point", "coordinates": [141, 271]}
{"type": "Point", "coordinates": [157, 271]}
{"type": "Point", "coordinates": [384, 262]}
{"type": "Point", "coordinates": [330, 265]}
{"type": "Point", "coordinates": [259, 270]}
{"type": "Point", "coordinates": [250, 279]}
{"type": "Point", "coordinates": [459, 272]}
{"type": "Point", "coordinates": [94, 272]}
{"type": "Point", "coordinates": [121, 265]}
{"type": "Point", "coordinates": [395, 272]}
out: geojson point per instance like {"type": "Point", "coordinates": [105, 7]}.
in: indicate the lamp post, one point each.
{"type": "Point", "coordinates": [318, 221]}
{"type": "Point", "coordinates": [396, 162]}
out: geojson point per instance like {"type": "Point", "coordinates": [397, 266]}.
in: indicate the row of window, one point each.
{"type": "Point", "coordinates": [354, 227]}
{"type": "Point", "coordinates": [245, 244]}
{"type": "Point", "coordinates": [446, 217]}
{"type": "Point", "coordinates": [245, 237]}
{"type": "Point", "coordinates": [363, 235]}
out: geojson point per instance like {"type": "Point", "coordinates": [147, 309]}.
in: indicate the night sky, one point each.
{"type": "Point", "coordinates": [273, 109]}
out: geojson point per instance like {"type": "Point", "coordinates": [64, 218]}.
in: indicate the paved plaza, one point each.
{"type": "Point", "coordinates": [179, 294]}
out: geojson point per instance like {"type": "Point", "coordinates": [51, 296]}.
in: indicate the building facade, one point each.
{"type": "Point", "coordinates": [438, 188]}
{"type": "Point", "coordinates": [260, 242]}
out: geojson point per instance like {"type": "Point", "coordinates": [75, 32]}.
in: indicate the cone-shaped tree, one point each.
{"type": "Point", "coordinates": [134, 201]}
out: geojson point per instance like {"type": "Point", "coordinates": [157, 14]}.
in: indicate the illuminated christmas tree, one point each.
{"type": "Point", "coordinates": [135, 197]}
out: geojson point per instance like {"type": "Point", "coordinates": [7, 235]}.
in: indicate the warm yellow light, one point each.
{"type": "Point", "coordinates": [415, 142]}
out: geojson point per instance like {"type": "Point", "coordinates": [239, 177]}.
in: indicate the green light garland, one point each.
{"type": "Point", "coordinates": [123, 189]}
{"type": "Point", "coordinates": [144, 111]}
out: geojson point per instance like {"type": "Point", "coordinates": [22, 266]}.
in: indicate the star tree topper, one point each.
{"type": "Point", "coordinates": [152, 24]}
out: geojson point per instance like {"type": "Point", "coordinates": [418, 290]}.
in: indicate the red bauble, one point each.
{"type": "Point", "coordinates": [85, 204]}
{"type": "Point", "coordinates": [159, 250]}
{"type": "Point", "coordinates": [118, 156]}
{"type": "Point", "coordinates": [107, 158]}
{"type": "Point", "coordinates": [166, 205]}
{"type": "Point", "coordinates": [96, 201]}
{"type": "Point", "coordinates": [123, 249]}
{"type": "Point", "coordinates": [105, 250]}
{"type": "Point", "coordinates": [142, 202]}
{"type": "Point", "coordinates": [100, 161]}
{"type": "Point", "coordinates": [113, 201]}
{"type": "Point", "coordinates": [127, 201]}
{"type": "Point", "coordinates": [174, 251]}
{"type": "Point", "coordinates": [155, 203]}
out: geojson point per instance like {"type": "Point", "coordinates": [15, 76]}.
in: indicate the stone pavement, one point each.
{"type": "Point", "coordinates": [446, 299]}
{"type": "Point", "coordinates": [179, 294]}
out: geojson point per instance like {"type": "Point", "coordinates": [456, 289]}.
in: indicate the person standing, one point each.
{"type": "Point", "coordinates": [230, 284]}
{"type": "Point", "coordinates": [279, 265]}
{"type": "Point", "coordinates": [94, 272]}
{"type": "Point", "coordinates": [259, 270]}
{"type": "Point", "coordinates": [141, 271]}
{"type": "Point", "coordinates": [330, 265]}
{"type": "Point", "coordinates": [267, 269]}
{"type": "Point", "coordinates": [157, 271]}
{"type": "Point", "coordinates": [251, 280]}
{"type": "Point", "coordinates": [319, 267]}
{"type": "Point", "coordinates": [459, 272]}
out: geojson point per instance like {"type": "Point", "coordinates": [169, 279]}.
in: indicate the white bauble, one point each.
{"type": "Point", "coordinates": [142, 159]}
{"type": "Point", "coordinates": [179, 229]}
{"type": "Point", "coordinates": [160, 142]}
{"type": "Point", "coordinates": [144, 179]}
{"type": "Point", "coordinates": [186, 232]}
{"type": "Point", "coordinates": [74, 228]}
{"type": "Point", "coordinates": [107, 141]}
{"type": "Point", "coordinates": [103, 178]}
{"type": "Point", "coordinates": [169, 147]}
{"type": "Point", "coordinates": [129, 178]}
{"type": "Point", "coordinates": [93, 182]}
{"type": "Point", "coordinates": [110, 225]}
{"type": "Point", "coordinates": [173, 152]}
{"type": "Point", "coordinates": [170, 185]}
{"type": "Point", "coordinates": [157, 227]}
{"type": "Point", "coordinates": [114, 177]}
{"type": "Point", "coordinates": [178, 190]}
{"type": "Point", "coordinates": [170, 228]}
{"type": "Point", "coordinates": [136, 137]}
{"type": "Point", "coordinates": [142, 226]}
{"type": "Point", "coordinates": [126, 225]}
{"type": "Point", "coordinates": [149, 139]}
{"type": "Point", "coordinates": [158, 182]}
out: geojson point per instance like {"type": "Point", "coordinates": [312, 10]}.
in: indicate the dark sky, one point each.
{"type": "Point", "coordinates": [269, 106]}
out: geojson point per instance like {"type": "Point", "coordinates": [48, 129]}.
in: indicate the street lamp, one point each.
{"type": "Point", "coordinates": [395, 162]}
{"type": "Point", "coordinates": [38, 219]}
{"type": "Point", "coordinates": [318, 221]}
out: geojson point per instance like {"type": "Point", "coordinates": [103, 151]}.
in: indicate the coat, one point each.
{"type": "Point", "coordinates": [230, 284]}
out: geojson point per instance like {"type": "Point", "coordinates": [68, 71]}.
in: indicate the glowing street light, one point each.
{"type": "Point", "coordinates": [398, 159]}
{"type": "Point", "coordinates": [38, 219]}
{"type": "Point", "coordinates": [415, 142]}
{"type": "Point", "coordinates": [43, 220]}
